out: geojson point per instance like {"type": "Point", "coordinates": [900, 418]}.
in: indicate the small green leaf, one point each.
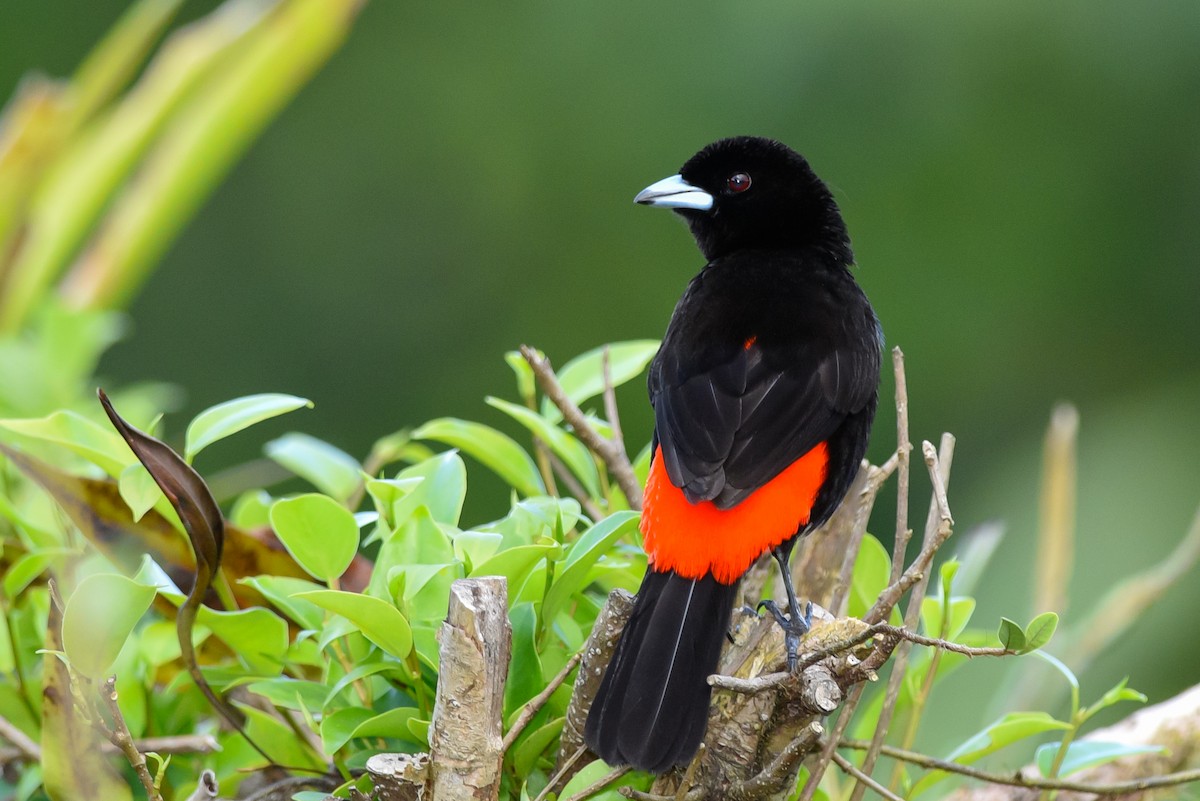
{"type": "Point", "coordinates": [329, 469]}
{"type": "Point", "coordinates": [291, 693]}
{"type": "Point", "coordinates": [1085, 754]}
{"type": "Point", "coordinates": [252, 509]}
{"type": "Point", "coordinates": [526, 387]}
{"type": "Point", "coordinates": [525, 668]}
{"type": "Point", "coordinates": [961, 610]}
{"type": "Point", "coordinates": [442, 492]}
{"type": "Point", "coordinates": [78, 434]}
{"type": "Point", "coordinates": [495, 450]}
{"type": "Point", "coordinates": [99, 617]}
{"type": "Point", "coordinates": [535, 744]}
{"type": "Point", "coordinates": [30, 566]}
{"type": "Point", "coordinates": [573, 453]}
{"type": "Point", "coordinates": [379, 621]}
{"type": "Point", "coordinates": [583, 377]}
{"type": "Point", "coordinates": [230, 417]}
{"type": "Point", "coordinates": [338, 727]}
{"type": "Point", "coordinates": [872, 569]}
{"type": "Point", "coordinates": [319, 533]}
{"type": "Point", "coordinates": [281, 592]}
{"type": "Point", "coordinates": [258, 636]}
{"type": "Point", "coordinates": [590, 546]}
{"type": "Point", "coordinates": [1039, 631]}
{"type": "Point", "coordinates": [1011, 635]}
{"type": "Point", "coordinates": [515, 563]}
{"type": "Point", "coordinates": [393, 723]}
{"type": "Point", "coordinates": [1116, 695]}
{"type": "Point", "coordinates": [138, 490]}
{"type": "Point", "coordinates": [1009, 729]}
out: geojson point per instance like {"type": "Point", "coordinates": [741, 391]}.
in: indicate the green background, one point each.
{"type": "Point", "coordinates": [1021, 181]}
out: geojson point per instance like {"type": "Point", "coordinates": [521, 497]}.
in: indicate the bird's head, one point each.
{"type": "Point", "coordinates": [752, 193]}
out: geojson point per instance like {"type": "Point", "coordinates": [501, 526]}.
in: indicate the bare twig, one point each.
{"type": "Point", "coordinates": [817, 771]}
{"type": "Point", "coordinates": [613, 455]}
{"type": "Point", "coordinates": [849, 769]}
{"type": "Point", "coordinates": [1029, 782]}
{"type": "Point", "coordinates": [124, 741]}
{"type": "Point", "coordinates": [937, 530]}
{"type": "Point", "coordinates": [536, 703]}
{"type": "Point", "coordinates": [772, 778]}
{"type": "Point", "coordinates": [26, 748]}
{"type": "Point", "coordinates": [903, 448]}
{"type": "Point", "coordinates": [936, 533]}
{"type": "Point", "coordinates": [558, 774]}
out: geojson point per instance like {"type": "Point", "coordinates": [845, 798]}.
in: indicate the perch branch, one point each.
{"type": "Point", "coordinates": [124, 741]}
{"type": "Point", "coordinates": [851, 770]}
{"type": "Point", "coordinates": [611, 452]}
{"type": "Point", "coordinates": [903, 449]}
{"type": "Point", "coordinates": [1029, 782]}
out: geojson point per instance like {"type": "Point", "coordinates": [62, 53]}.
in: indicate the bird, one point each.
{"type": "Point", "coordinates": [764, 390]}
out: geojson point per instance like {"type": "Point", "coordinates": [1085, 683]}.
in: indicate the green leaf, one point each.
{"type": "Point", "coordinates": [230, 417]}
{"type": "Point", "coordinates": [590, 546]}
{"type": "Point", "coordinates": [532, 745]}
{"type": "Point", "coordinates": [258, 636]}
{"type": "Point", "coordinates": [291, 693]}
{"type": "Point", "coordinates": [393, 724]}
{"type": "Point", "coordinates": [961, 610]}
{"type": "Point", "coordinates": [379, 621]}
{"type": "Point", "coordinates": [515, 563]}
{"type": "Point", "coordinates": [138, 490]}
{"type": "Point", "coordinates": [329, 469]}
{"type": "Point", "coordinates": [442, 491]}
{"type": "Point", "coordinates": [1009, 729]}
{"type": "Point", "coordinates": [1116, 695]}
{"type": "Point", "coordinates": [99, 617]}
{"type": "Point", "coordinates": [252, 509]}
{"type": "Point", "coordinates": [583, 377]}
{"type": "Point", "coordinates": [573, 453]}
{"type": "Point", "coordinates": [80, 435]}
{"type": "Point", "coordinates": [1084, 754]}
{"type": "Point", "coordinates": [425, 589]}
{"type": "Point", "coordinates": [495, 450]}
{"type": "Point", "coordinates": [872, 569]}
{"type": "Point", "coordinates": [319, 533]}
{"type": "Point", "coordinates": [1011, 635]}
{"type": "Point", "coordinates": [526, 383]}
{"type": "Point", "coordinates": [338, 727]}
{"type": "Point", "coordinates": [281, 592]}
{"type": "Point", "coordinates": [30, 566]}
{"type": "Point", "coordinates": [1039, 631]}
{"type": "Point", "coordinates": [525, 668]}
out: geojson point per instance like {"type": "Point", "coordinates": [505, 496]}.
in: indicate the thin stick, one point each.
{"type": "Point", "coordinates": [580, 751]}
{"type": "Point", "coordinates": [124, 741]}
{"type": "Point", "coordinates": [817, 770]}
{"type": "Point", "coordinates": [849, 769]}
{"type": "Point", "coordinates": [939, 465]}
{"type": "Point", "coordinates": [599, 784]}
{"type": "Point", "coordinates": [614, 457]}
{"type": "Point", "coordinates": [1032, 783]}
{"type": "Point", "coordinates": [29, 750]}
{"type": "Point", "coordinates": [537, 702]}
{"type": "Point", "coordinates": [903, 448]}
{"type": "Point", "coordinates": [937, 529]}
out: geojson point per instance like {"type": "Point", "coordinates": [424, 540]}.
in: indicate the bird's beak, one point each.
{"type": "Point", "coordinates": [675, 193]}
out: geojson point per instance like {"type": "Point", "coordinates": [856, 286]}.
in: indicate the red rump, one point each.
{"type": "Point", "coordinates": [696, 539]}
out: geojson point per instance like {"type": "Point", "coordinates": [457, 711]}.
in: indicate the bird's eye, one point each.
{"type": "Point", "coordinates": [738, 182]}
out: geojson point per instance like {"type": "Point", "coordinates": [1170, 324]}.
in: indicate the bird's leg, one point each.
{"type": "Point", "coordinates": [794, 624]}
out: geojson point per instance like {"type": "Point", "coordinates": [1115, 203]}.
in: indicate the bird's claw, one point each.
{"type": "Point", "coordinates": [794, 627]}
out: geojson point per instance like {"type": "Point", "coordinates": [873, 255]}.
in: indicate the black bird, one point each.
{"type": "Point", "coordinates": [763, 391]}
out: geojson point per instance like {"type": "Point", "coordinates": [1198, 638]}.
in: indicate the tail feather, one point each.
{"type": "Point", "coordinates": [652, 706]}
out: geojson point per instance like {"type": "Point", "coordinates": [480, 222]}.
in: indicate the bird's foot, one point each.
{"type": "Point", "coordinates": [794, 627]}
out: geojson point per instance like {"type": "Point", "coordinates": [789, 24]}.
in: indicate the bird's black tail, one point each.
{"type": "Point", "coordinates": [652, 706]}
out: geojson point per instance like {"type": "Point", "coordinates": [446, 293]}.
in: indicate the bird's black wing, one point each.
{"type": "Point", "coordinates": [729, 427]}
